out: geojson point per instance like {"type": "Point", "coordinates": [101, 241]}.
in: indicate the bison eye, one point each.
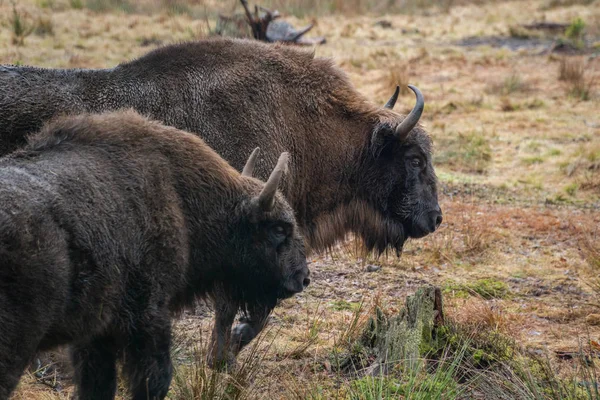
{"type": "Point", "coordinates": [279, 234]}
{"type": "Point", "coordinates": [415, 162]}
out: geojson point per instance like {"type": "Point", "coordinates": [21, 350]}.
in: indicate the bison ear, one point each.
{"type": "Point", "coordinates": [266, 198]}
{"type": "Point", "coordinates": [249, 167]}
{"type": "Point", "coordinates": [383, 137]}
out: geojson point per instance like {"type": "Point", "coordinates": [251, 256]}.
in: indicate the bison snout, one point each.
{"type": "Point", "coordinates": [298, 281]}
{"type": "Point", "coordinates": [434, 220]}
{"type": "Point", "coordinates": [428, 223]}
{"type": "Point", "coordinates": [438, 220]}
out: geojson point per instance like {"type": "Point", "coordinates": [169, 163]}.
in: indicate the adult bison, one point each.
{"type": "Point", "coordinates": [355, 167]}
{"type": "Point", "coordinates": [108, 223]}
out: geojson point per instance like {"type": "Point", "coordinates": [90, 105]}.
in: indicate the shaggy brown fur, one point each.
{"type": "Point", "coordinates": [240, 94]}
{"type": "Point", "coordinates": [108, 224]}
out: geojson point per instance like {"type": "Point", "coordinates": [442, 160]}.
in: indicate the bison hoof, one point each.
{"type": "Point", "coordinates": [221, 363]}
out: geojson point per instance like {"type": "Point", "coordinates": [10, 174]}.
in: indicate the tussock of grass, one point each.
{"type": "Point", "coordinates": [194, 379]}
{"type": "Point", "coordinates": [573, 72]}
{"type": "Point", "coordinates": [511, 84]}
{"type": "Point", "coordinates": [584, 167]}
{"type": "Point", "coordinates": [397, 74]}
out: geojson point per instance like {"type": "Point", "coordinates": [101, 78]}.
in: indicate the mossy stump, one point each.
{"type": "Point", "coordinates": [403, 338]}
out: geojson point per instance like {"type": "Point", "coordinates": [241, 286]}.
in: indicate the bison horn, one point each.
{"type": "Point", "coordinates": [249, 167]}
{"type": "Point", "coordinates": [412, 118]}
{"type": "Point", "coordinates": [266, 199]}
{"type": "Point", "coordinates": [392, 101]}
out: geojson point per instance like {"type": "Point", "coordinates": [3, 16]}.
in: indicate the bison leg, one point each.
{"type": "Point", "coordinates": [22, 328]}
{"type": "Point", "coordinates": [147, 361]}
{"type": "Point", "coordinates": [219, 355]}
{"type": "Point", "coordinates": [250, 326]}
{"type": "Point", "coordinates": [17, 349]}
{"type": "Point", "coordinates": [95, 369]}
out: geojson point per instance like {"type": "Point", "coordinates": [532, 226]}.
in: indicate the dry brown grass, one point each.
{"type": "Point", "coordinates": [477, 315]}
{"type": "Point", "coordinates": [513, 83]}
{"type": "Point", "coordinates": [589, 244]}
{"type": "Point", "coordinates": [573, 72]}
{"type": "Point", "coordinates": [465, 235]}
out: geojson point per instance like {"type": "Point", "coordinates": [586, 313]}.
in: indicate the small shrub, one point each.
{"type": "Point", "coordinates": [571, 189]}
{"type": "Point", "coordinates": [21, 27]}
{"type": "Point", "coordinates": [576, 29]}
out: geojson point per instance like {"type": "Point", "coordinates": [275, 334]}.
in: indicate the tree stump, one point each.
{"type": "Point", "coordinates": [400, 339]}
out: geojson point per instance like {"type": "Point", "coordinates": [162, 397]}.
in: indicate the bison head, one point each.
{"type": "Point", "coordinates": [278, 259]}
{"type": "Point", "coordinates": [398, 177]}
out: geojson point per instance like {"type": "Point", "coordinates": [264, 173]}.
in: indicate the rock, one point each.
{"type": "Point", "coordinates": [384, 24]}
{"type": "Point", "coordinates": [373, 268]}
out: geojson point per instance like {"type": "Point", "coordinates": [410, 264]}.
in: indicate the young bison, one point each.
{"type": "Point", "coordinates": [108, 224]}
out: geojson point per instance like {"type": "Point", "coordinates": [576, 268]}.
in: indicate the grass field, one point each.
{"type": "Point", "coordinates": [515, 117]}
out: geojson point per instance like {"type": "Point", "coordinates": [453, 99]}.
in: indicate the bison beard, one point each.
{"type": "Point", "coordinates": [110, 223]}
{"type": "Point", "coordinates": [374, 232]}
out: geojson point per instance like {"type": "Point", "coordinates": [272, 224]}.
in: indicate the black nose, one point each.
{"type": "Point", "coordinates": [434, 219]}
{"type": "Point", "coordinates": [306, 282]}
{"type": "Point", "coordinates": [438, 221]}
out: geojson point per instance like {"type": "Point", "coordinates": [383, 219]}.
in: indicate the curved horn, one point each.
{"type": "Point", "coordinates": [392, 101]}
{"type": "Point", "coordinates": [266, 198]}
{"type": "Point", "coordinates": [249, 167]}
{"type": "Point", "coordinates": [412, 118]}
